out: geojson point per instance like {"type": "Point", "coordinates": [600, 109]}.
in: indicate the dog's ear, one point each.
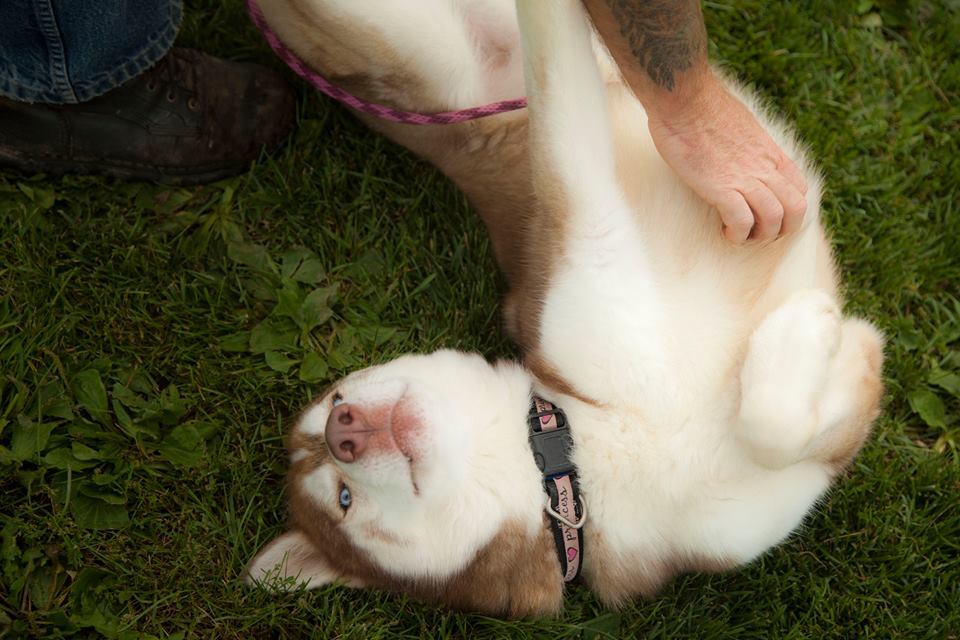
{"type": "Point", "coordinates": [291, 555]}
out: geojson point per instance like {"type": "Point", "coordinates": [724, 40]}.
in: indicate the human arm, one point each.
{"type": "Point", "coordinates": [703, 132]}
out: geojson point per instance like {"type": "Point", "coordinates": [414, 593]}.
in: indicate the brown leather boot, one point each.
{"type": "Point", "coordinates": [190, 119]}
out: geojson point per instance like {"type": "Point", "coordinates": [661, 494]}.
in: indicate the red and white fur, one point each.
{"type": "Point", "coordinates": [714, 391]}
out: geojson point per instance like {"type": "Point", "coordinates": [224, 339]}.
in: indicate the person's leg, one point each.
{"type": "Point", "coordinates": [93, 86]}
{"type": "Point", "coordinates": [703, 132]}
{"type": "Point", "coordinates": [69, 51]}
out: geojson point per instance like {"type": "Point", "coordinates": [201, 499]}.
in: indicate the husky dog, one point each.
{"type": "Point", "coordinates": [710, 392]}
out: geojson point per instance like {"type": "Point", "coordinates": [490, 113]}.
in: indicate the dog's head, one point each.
{"type": "Point", "coordinates": [416, 476]}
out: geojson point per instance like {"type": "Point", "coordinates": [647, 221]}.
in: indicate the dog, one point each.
{"type": "Point", "coordinates": [708, 394]}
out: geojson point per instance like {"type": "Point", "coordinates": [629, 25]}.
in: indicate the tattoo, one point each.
{"type": "Point", "coordinates": [665, 36]}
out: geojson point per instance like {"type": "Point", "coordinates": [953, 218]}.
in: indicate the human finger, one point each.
{"type": "Point", "coordinates": [793, 202]}
{"type": "Point", "coordinates": [737, 217]}
{"type": "Point", "coordinates": [792, 172]}
{"type": "Point", "coordinates": [767, 211]}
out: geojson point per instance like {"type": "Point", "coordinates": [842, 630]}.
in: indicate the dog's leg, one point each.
{"type": "Point", "coordinates": [420, 55]}
{"type": "Point", "coordinates": [851, 400]}
{"type": "Point", "coordinates": [601, 310]}
{"type": "Point", "coordinates": [810, 389]}
{"type": "Point", "coordinates": [429, 56]}
{"type": "Point", "coordinates": [810, 384]}
{"type": "Point", "coordinates": [571, 145]}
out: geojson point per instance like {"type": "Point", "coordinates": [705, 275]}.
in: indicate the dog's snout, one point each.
{"type": "Point", "coordinates": [347, 433]}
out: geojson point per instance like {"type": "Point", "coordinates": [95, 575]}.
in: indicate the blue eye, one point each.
{"type": "Point", "coordinates": [337, 399]}
{"type": "Point", "coordinates": [344, 498]}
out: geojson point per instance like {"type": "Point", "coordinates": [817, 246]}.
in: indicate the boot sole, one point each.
{"type": "Point", "coordinates": [57, 167]}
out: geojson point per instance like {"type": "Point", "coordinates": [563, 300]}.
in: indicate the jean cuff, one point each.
{"type": "Point", "coordinates": [156, 46]}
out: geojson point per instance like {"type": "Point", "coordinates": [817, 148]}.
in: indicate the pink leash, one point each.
{"type": "Point", "coordinates": [379, 110]}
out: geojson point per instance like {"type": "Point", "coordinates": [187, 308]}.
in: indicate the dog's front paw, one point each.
{"type": "Point", "coordinates": [784, 375]}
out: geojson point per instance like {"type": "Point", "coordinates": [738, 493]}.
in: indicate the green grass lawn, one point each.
{"type": "Point", "coordinates": [155, 344]}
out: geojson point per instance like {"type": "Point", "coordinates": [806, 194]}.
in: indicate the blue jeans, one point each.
{"type": "Point", "coordinates": [68, 51]}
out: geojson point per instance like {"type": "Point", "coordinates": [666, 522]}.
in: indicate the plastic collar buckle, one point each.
{"type": "Point", "coordinates": [551, 451]}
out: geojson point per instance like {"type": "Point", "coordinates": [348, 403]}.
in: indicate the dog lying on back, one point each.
{"type": "Point", "coordinates": [712, 391]}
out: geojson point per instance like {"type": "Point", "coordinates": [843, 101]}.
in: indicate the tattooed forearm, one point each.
{"type": "Point", "coordinates": [666, 37]}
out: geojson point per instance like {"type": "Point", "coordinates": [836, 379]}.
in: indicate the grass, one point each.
{"type": "Point", "coordinates": [156, 342]}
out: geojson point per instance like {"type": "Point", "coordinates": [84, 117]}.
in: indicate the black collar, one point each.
{"type": "Point", "coordinates": [551, 443]}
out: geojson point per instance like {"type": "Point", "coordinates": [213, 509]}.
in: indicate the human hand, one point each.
{"type": "Point", "coordinates": [720, 150]}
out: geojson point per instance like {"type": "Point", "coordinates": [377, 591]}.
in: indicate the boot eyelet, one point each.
{"type": "Point", "coordinates": [171, 96]}
{"type": "Point", "coordinates": [151, 86]}
{"type": "Point", "coordinates": [193, 104]}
